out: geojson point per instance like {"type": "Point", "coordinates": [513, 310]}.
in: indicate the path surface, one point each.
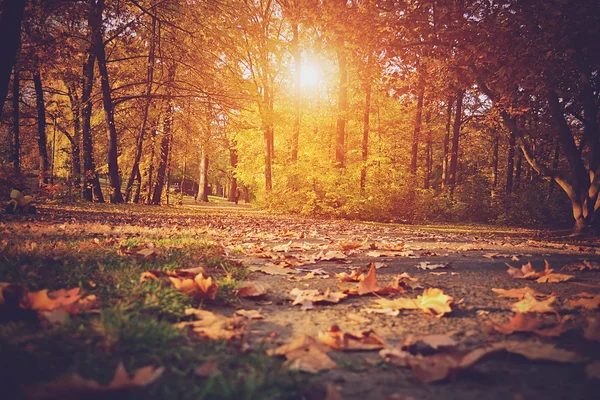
{"type": "Point", "coordinates": [282, 250]}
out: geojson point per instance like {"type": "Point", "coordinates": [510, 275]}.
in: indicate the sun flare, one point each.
{"type": "Point", "coordinates": [310, 75]}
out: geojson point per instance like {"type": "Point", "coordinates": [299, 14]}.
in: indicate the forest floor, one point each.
{"type": "Point", "coordinates": [141, 297]}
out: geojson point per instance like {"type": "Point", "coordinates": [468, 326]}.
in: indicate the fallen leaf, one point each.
{"type": "Point", "coordinates": [435, 302]}
{"type": "Point", "coordinates": [435, 341]}
{"type": "Point", "coordinates": [344, 341]}
{"type": "Point", "coordinates": [401, 303]}
{"type": "Point", "coordinates": [529, 304]}
{"type": "Point", "coordinates": [519, 323]}
{"type": "Point", "coordinates": [587, 301]}
{"type": "Point", "coordinates": [207, 369]}
{"type": "Point", "coordinates": [527, 271]}
{"type": "Point", "coordinates": [369, 283]}
{"type": "Point", "coordinates": [491, 255]}
{"type": "Point", "coordinates": [404, 280]}
{"type": "Point", "coordinates": [214, 326]}
{"type": "Point", "coordinates": [272, 269]}
{"type": "Point", "coordinates": [346, 245]}
{"type": "Point", "coordinates": [517, 293]}
{"type": "Point", "coordinates": [354, 276]}
{"type": "Point", "coordinates": [540, 351]}
{"type": "Point", "coordinates": [305, 354]}
{"type": "Point", "coordinates": [385, 311]}
{"type": "Point", "coordinates": [306, 298]}
{"type": "Point", "coordinates": [250, 314]}
{"type": "Point", "coordinates": [585, 265]}
{"type": "Point", "coordinates": [554, 278]}
{"type": "Point", "coordinates": [201, 286]}
{"type": "Point", "coordinates": [251, 289]}
{"type": "Point", "coordinates": [425, 265]}
{"type": "Point", "coordinates": [69, 386]}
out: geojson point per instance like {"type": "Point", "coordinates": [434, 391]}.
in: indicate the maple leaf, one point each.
{"type": "Point", "coordinates": [332, 256]}
{"type": "Point", "coordinates": [435, 302]}
{"type": "Point", "coordinates": [272, 269]}
{"type": "Point", "coordinates": [530, 304]}
{"type": "Point", "coordinates": [369, 283]}
{"type": "Point", "coordinates": [305, 354]}
{"type": "Point", "coordinates": [200, 286]}
{"type": "Point", "coordinates": [354, 276]}
{"type": "Point", "coordinates": [539, 351]}
{"type": "Point", "coordinates": [517, 293]}
{"type": "Point", "coordinates": [251, 289]}
{"type": "Point", "coordinates": [48, 301]}
{"type": "Point", "coordinates": [425, 265]}
{"type": "Point", "coordinates": [345, 341]}
{"type": "Point", "coordinates": [250, 314]}
{"type": "Point", "coordinates": [587, 301]}
{"type": "Point", "coordinates": [585, 265]}
{"type": "Point", "coordinates": [519, 323]}
{"type": "Point", "coordinates": [397, 304]}
{"type": "Point", "coordinates": [306, 298]}
{"type": "Point", "coordinates": [346, 245]}
{"type": "Point", "coordinates": [404, 280]}
{"type": "Point", "coordinates": [214, 326]}
{"type": "Point", "coordinates": [554, 278]}
{"type": "Point", "coordinates": [69, 386]}
{"type": "Point", "coordinates": [527, 271]}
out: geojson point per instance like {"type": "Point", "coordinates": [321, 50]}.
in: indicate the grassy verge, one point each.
{"type": "Point", "coordinates": [135, 322]}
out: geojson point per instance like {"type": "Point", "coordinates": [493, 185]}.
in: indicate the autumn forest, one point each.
{"type": "Point", "coordinates": [410, 111]}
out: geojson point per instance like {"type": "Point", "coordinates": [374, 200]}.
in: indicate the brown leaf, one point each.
{"type": "Point", "coordinates": [554, 278]}
{"type": "Point", "coordinates": [207, 369]}
{"type": "Point", "coordinates": [306, 298]}
{"type": "Point", "coordinates": [540, 351]}
{"type": "Point", "coordinates": [434, 341]}
{"type": "Point", "coordinates": [527, 271]}
{"type": "Point", "coordinates": [251, 289]}
{"type": "Point", "coordinates": [272, 269]}
{"type": "Point", "coordinates": [76, 385]}
{"type": "Point", "coordinates": [530, 304]}
{"type": "Point", "coordinates": [214, 326]}
{"type": "Point", "coordinates": [517, 293]}
{"type": "Point", "coordinates": [401, 303]}
{"type": "Point", "coordinates": [346, 245]}
{"type": "Point", "coordinates": [48, 301]}
{"type": "Point", "coordinates": [425, 265]}
{"type": "Point", "coordinates": [404, 280]}
{"type": "Point", "coordinates": [354, 276]}
{"type": "Point", "coordinates": [305, 354]}
{"type": "Point", "coordinates": [345, 341]}
{"type": "Point", "coordinates": [435, 302]}
{"type": "Point", "coordinates": [587, 301]}
{"type": "Point", "coordinates": [369, 282]}
{"type": "Point", "coordinates": [519, 323]}
{"type": "Point", "coordinates": [250, 314]}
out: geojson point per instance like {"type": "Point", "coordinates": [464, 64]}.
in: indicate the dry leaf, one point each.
{"type": "Point", "coordinates": [527, 271]}
{"type": "Point", "coordinates": [587, 301]}
{"type": "Point", "coordinates": [517, 293]}
{"type": "Point", "coordinates": [435, 302]}
{"type": "Point", "coordinates": [250, 314]}
{"type": "Point", "coordinates": [345, 245]}
{"type": "Point", "coordinates": [76, 385]}
{"type": "Point", "coordinates": [401, 303]}
{"type": "Point", "coordinates": [251, 289]}
{"type": "Point", "coordinates": [369, 283]}
{"type": "Point", "coordinates": [48, 301]}
{"type": "Point", "coordinates": [530, 304]}
{"type": "Point", "coordinates": [336, 339]}
{"type": "Point", "coordinates": [425, 265]}
{"type": "Point", "coordinates": [354, 276]}
{"type": "Point", "coordinates": [554, 278]}
{"type": "Point", "coordinates": [207, 369]}
{"type": "Point", "coordinates": [519, 323]}
{"type": "Point", "coordinates": [214, 326]}
{"type": "Point", "coordinates": [404, 280]}
{"type": "Point", "coordinates": [272, 269]}
{"type": "Point", "coordinates": [305, 354]}
{"type": "Point", "coordinates": [306, 298]}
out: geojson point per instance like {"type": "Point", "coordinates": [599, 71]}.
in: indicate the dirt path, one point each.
{"type": "Point", "coordinates": [281, 251]}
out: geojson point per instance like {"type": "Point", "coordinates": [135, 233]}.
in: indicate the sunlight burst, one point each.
{"type": "Point", "coordinates": [310, 75]}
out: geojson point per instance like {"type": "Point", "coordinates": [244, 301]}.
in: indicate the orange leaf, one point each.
{"type": "Point", "coordinates": [252, 289]}
{"type": "Point", "coordinates": [336, 339]}
{"type": "Point", "coordinates": [517, 293]}
{"type": "Point", "coordinates": [519, 323]}
{"type": "Point", "coordinates": [435, 302]}
{"type": "Point", "coordinates": [530, 304]}
{"type": "Point", "coordinates": [305, 354]}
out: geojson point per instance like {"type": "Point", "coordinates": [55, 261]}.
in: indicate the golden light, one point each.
{"type": "Point", "coordinates": [310, 74]}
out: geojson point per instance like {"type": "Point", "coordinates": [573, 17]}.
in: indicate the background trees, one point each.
{"type": "Point", "coordinates": [406, 110]}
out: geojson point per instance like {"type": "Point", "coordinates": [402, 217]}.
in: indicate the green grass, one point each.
{"type": "Point", "coordinates": [135, 322]}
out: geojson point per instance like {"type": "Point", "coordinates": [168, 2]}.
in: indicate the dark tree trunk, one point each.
{"type": "Point", "coordinates": [109, 111]}
{"type": "Point", "coordinates": [455, 138]}
{"type": "Point", "coordinates": [428, 152]}
{"type": "Point", "coordinates": [41, 127]}
{"type": "Point", "coordinates": [233, 163]}
{"type": "Point", "coordinates": [518, 169]}
{"type": "Point", "coordinates": [165, 141]}
{"type": "Point", "coordinates": [495, 144]}
{"type": "Point", "coordinates": [297, 91]}
{"type": "Point", "coordinates": [446, 158]}
{"type": "Point", "coordinates": [554, 167]}
{"type": "Point", "coordinates": [417, 129]}
{"type": "Point", "coordinates": [76, 142]}
{"type": "Point", "coordinates": [140, 139]}
{"type": "Point", "coordinates": [365, 139]}
{"type": "Point", "coordinates": [10, 33]}
{"type": "Point", "coordinates": [151, 169]}
{"type": "Point", "coordinates": [91, 188]}
{"type": "Point", "coordinates": [202, 195]}
{"type": "Point", "coordinates": [340, 146]}
{"type": "Point", "coordinates": [16, 140]}
{"type": "Point", "coordinates": [510, 163]}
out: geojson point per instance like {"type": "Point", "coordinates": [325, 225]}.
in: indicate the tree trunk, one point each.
{"type": "Point", "coordinates": [16, 140]}
{"type": "Point", "coordinates": [365, 139]}
{"type": "Point", "coordinates": [41, 127]}
{"type": "Point", "coordinates": [10, 32]}
{"type": "Point", "coordinates": [495, 144]}
{"type": "Point", "coordinates": [76, 142]}
{"type": "Point", "coordinates": [455, 137]}
{"type": "Point", "coordinates": [297, 91]}
{"type": "Point", "coordinates": [203, 178]}
{"type": "Point", "coordinates": [428, 151]}
{"type": "Point", "coordinates": [518, 169]}
{"type": "Point", "coordinates": [140, 139]}
{"type": "Point", "coordinates": [340, 151]}
{"type": "Point", "coordinates": [233, 162]}
{"type": "Point", "coordinates": [92, 188]}
{"type": "Point", "coordinates": [417, 129]}
{"type": "Point", "coordinates": [109, 111]}
{"type": "Point", "coordinates": [510, 164]}
{"type": "Point", "coordinates": [446, 158]}
{"type": "Point", "coordinates": [165, 141]}
{"type": "Point", "coordinates": [151, 169]}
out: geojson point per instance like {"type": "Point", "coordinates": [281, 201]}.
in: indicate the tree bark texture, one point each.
{"type": "Point", "coordinates": [446, 158]}
{"type": "Point", "coordinates": [16, 140]}
{"type": "Point", "coordinates": [203, 177]}
{"type": "Point", "coordinates": [10, 32]}
{"type": "Point", "coordinates": [41, 127]}
{"type": "Point", "coordinates": [455, 141]}
{"type": "Point", "coordinates": [418, 122]}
